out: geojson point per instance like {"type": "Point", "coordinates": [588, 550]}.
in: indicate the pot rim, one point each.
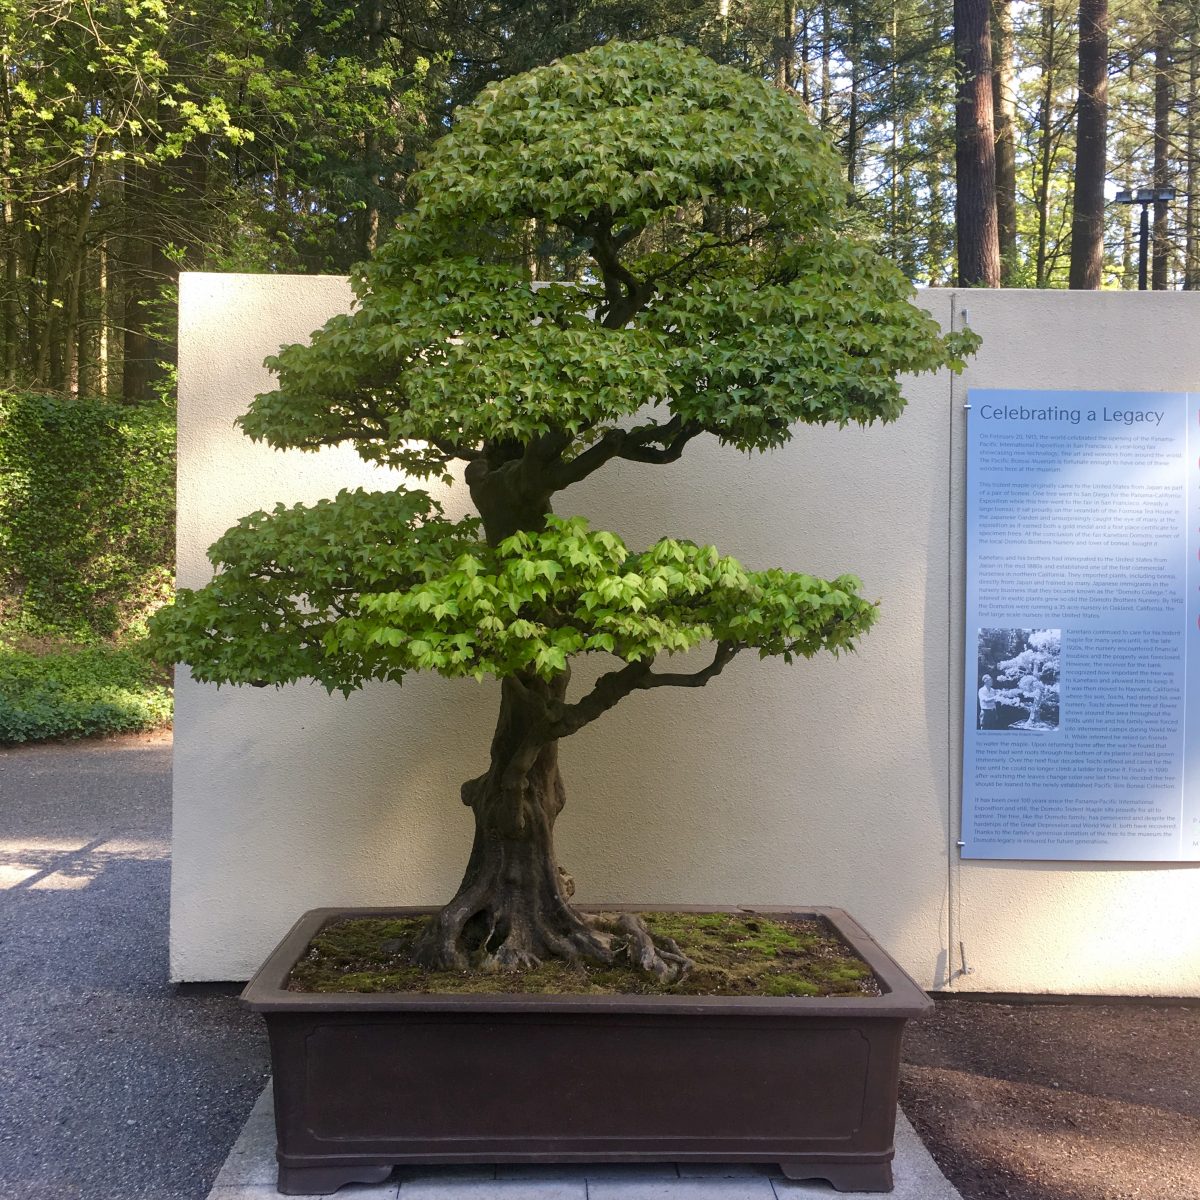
{"type": "Point", "coordinates": [901, 997]}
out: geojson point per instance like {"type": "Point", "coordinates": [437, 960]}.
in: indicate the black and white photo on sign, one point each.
{"type": "Point", "coordinates": [1018, 679]}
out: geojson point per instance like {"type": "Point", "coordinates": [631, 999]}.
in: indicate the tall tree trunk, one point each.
{"type": "Point", "coordinates": [147, 269]}
{"type": "Point", "coordinates": [1191, 251]}
{"type": "Point", "coordinates": [75, 264]}
{"type": "Point", "coordinates": [11, 235]}
{"type": "Point", "coordinates": [369, 218]}
{"type": "Point", "coordinates": [11, 307]}
{"type": "Point", "coordinates": [975, 148]}
{"type": "Point", "coordinates": [935, 240]}
{"type": "Point", "coordinates": [894, 123]}
{"type": "Point", "coordinates": [1128, 247]}
{"type": "Point", "coordinates": [826, 57]}
{"type": "Point", "coordinates": [1091, 147]}
{"type": "Point", "coordinates": [785, 49]}
{"type": "Point", "coordinates": [513, 907]}
{"type": "Point", "coordinates": [1045, 125]}
{"type": "Point", "coordinates": [104, 318]}
{"type": "Point", "coordinates": [1004, 107]}
{"type": "Point", "coordinates": [1163, 47]}
{"type": "Point", "coordinates": [805, 49]}
{"type": "Point", "coordinates": [854, 53]}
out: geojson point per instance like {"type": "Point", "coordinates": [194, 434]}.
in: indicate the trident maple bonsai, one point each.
{"type": "Point", "coordinates": [690, 219]}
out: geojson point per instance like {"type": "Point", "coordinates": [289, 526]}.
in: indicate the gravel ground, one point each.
{"type": "Point", "coordinates": [114, 1085]}
{"type": "Point", "coordinates": [1058, 1101]}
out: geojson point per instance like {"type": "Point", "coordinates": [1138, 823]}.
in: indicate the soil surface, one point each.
{"type": "Point", "coordinates": [1058, 1101]}
{"type": "Point", "coordinates": [732, 955]}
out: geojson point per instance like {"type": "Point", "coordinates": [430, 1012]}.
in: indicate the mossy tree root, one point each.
{"type": "Point", "coordinates": [513, 908]}
{"type": "Point", "coordinates": [513, 911]}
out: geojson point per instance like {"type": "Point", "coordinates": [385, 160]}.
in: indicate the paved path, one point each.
{"type": "Point", "coordinates": [113, 1084]}
{"type": "Point", "coordinates": [249, 1174]}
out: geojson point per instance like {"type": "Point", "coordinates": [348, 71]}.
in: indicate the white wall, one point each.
{"type": "Point", "coordinates": [832, 782]}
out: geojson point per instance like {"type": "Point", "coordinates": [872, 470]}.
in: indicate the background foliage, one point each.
{"type": "Point", "coordinates": [77, 691]}
{"type": "Point", "coordinates": [140, 138]}
{"type": "Point", "coordinates": [86, 511]}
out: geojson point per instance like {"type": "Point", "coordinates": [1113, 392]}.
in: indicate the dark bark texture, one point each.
{"type": "Point", "coordinates": [513, 907]}
{"type": "Point", "coordinates": [1091, 154]}
{"type": "Point", "coordinates": [1004, 115]}
{"type": "Point", "coordinates": [1164, 45]}
{"type": "Point", "coordinates": [975, 148]}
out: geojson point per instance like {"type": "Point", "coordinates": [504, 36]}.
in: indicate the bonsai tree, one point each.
{"type": "Point", "coordinates": [691, 221]}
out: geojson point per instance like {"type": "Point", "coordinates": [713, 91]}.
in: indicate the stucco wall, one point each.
{"type": "Point", "coordinates": [830, 782]}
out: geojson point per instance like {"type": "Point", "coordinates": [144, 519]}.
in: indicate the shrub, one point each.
{"type": "Point", "coordinates": [74, 692]}
{"type": "Point", "coordinates": [87, 507]}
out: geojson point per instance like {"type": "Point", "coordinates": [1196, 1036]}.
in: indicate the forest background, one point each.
{"type": "Point", "coordinates": [985, 143]}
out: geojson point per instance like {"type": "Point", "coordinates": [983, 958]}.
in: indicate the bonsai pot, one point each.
{"type": "Point", "coordinates": [364, 1082]}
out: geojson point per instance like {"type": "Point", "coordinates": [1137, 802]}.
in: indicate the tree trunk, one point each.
{"type": "Point", "coordinates": [975, 148]}
{"type": "Point", "coordinates": [75, 265]}
{"type": "Point", "coordinates": [826, 55]}
{"type": "Point", "coordinates": [1191, 250]}
{"type": "Point", "coordinates": [368, 233]}
{"type": "Point", "coordinates": [11, 306]}
{"type": "Point", "coordinates": [1004, 105]}
{"type": "Point", "coordinates": [854, 53]}
{"type": "Point", "coordinates": [513, 908]}
{"type": "Point", "coordinates": [805, 49]}
{"type": "Point", "coordinates": [1163, 47]}
{"type": "Point", "coordinates": [1091, 147]}
{"type": "Point", "coordinates": [513, 905]}
{"type": "Point", "coordinates": [1045, 142]}
{"type": "Point", "coordinates": [785, 53]}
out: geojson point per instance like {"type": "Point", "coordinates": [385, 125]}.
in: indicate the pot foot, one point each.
{"type": "Point", "coordinates": [323, 1181]}
{"type": "Point", "coordinates": [845, 1177]}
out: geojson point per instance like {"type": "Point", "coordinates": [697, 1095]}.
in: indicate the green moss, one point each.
{"type": "Point", "coordinates": [735, 955]}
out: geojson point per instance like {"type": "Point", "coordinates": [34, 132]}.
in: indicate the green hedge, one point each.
{"type": "Point", "coordinates": [76, 692]}
{"type": "Point", "coordinates": [87, 511]}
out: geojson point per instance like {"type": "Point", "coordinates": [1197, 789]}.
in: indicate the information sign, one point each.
{"type": "Point", "coordinates": [1082, 705]}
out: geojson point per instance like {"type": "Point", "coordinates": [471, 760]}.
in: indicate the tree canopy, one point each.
{"type": "Point", "coordinates": [716, 293]}
{"type": "Point", "coordinates": [709, 289]}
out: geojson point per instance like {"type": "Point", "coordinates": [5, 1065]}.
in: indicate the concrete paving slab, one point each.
{"type": "Point", "coordinates": [249, 1174]}
{"type": "Point", "coordinates": [352, 1191]}
{"type": "Point", "coordinates": [494, 1189]}
{"type": "Point", "coordinates": [466, 1171]}
{"type": "Point", "coordinates": [747, 1187]}
{"type": "Point", "coordinates": [916, 1174]}
{"type": "Point", "coordinates": [722, 1170]}
{"type": "Point", "coordinates": [612, 1171]}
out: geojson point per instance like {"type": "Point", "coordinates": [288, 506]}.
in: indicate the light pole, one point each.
{"type": "Point", "coordinates": [1145, 197]}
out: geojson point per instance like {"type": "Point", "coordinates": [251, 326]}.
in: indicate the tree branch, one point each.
{"type": "Point", "coordinates": [451, 450]}
{"type": "Point", "coordinates": [724, 655]}
{"type": "Point", "coordinates": [636, 445]}
{"type": "Point", "coordinates": [611, 688]}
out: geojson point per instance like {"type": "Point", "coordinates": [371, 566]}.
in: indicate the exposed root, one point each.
{"type": "Point", "coordinates": [662, 958]}
{"type": "Point", "coordinates": [484, 936]}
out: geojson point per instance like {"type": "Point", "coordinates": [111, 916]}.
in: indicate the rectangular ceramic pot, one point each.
{"type": "Point", "coordinates": [364, 1082]}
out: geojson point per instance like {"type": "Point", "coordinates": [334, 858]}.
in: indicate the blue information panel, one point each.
{"type": "Point", "coordinates": [1082, 729]}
